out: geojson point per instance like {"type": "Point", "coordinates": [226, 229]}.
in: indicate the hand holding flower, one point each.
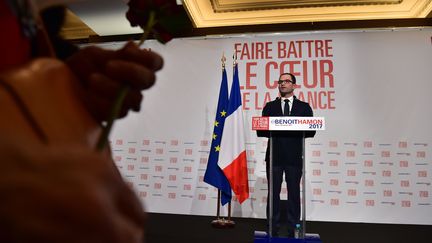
{"type": "Point", "coordinates": [163, 19]}
{"type": "Point", "coordinates": [103, 72]}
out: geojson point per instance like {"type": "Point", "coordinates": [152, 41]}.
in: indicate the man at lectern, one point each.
{"type": "Point", "coordinates": [287, 153]}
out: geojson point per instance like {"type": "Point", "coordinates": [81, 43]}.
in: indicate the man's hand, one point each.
{"type": "Point", "coordinates": [103, 72]}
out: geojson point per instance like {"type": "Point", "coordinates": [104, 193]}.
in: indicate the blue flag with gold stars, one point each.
{"type": "Point", "coordinates": [214, 175]}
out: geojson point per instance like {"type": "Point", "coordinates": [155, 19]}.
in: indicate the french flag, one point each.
{"type": "Point", "coordinates": [232, 157]}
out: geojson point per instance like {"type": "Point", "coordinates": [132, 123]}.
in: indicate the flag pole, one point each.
{"type": "Point", "coordinates": [218, 204]}
{"type": "Point", "coordinates": [229, 212]}
{"type": "Point", "coordinates": [221, 222]}
{"type": "Point", "coordinates": [230, 222]}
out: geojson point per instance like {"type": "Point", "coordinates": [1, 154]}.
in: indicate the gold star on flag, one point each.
{"type": "Point", "coordinates": [214, 136]}
{"type": "Point", "coordinates": [223, 113]}
{"type": "Point", "coordinates": [216, 123]}
{"type": "Point", "coordinates": [217, 148]}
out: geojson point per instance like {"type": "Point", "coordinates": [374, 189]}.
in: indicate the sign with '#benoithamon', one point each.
{"type": "Point", "coordinates": [287, 123]}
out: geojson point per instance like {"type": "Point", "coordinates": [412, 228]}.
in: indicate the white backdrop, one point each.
{"type": "Point", "coordinates": [372, 164]}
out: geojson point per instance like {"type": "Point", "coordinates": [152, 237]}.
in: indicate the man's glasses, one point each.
{"type": "Point", "coordinates": [285, 81]}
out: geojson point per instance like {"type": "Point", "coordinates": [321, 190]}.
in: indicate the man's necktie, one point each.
{"type": "Point", "coordinates": [286, 107]}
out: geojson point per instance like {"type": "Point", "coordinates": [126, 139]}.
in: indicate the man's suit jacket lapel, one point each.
{"type": "Point", "coordinates": [295, 108]}
{"type": "Point", "coordinates": [277, 108]}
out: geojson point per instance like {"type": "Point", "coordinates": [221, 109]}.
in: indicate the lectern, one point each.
{"type": "Point", "coordinates": [287, 123]}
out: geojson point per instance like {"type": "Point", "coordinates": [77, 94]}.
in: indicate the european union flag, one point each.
{"type": "Point", "coordinates": [214, 175]}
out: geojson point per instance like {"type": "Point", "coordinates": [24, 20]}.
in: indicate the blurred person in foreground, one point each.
{"type": "Point", "coordinates": [54, 185]}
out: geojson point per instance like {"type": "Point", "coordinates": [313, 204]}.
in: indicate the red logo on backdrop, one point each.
{"type": "Point", "coordinates": [171, 195]}
{"type": "Point", "coordinates": [350, 153]}
{"type": "Point", "coordinates": [385, 154]}
{"type": "Point", "coordinates": [403, 144]}
{"type": "Point", "coordinates": [173, 160]}
{"type": "Point", "coordinates": [421, 154]}
{"type": "Point", "coordinates": [424, 194]}
{"type": "Point", "coordinates": [172, 177]}
{"type": "Point", "coordinates": [369, 182]}
{"type": "Point", "coordinates": [388, 193]}
{"type": "Point", "coordinates": [187, 187]}
{"type": "Point", "coordinates": [334, 202]}
{"type": "Point", "coordinates": [202, 197]}
{"type": "Point", "coordinates": [204, 142]}
{"type": "Point", "coordinates": [422, 173]}
{"type": "Point", "coordinates": [119, 142]}
{"type": "Point", "coordinates": [131, 150]}
{"type": "Point", "coordinates": [386, 173]}
{"type": "Point", "coordinates": [333, 144]}
{"type": "Point", "coordinates": [406, 204]}
{"type": "Point", "coordinates": [174, 142]}
{"type": "Point", "coordinates": [146, 142]}
{"type": "Point", "coordinates": [317, 191]}
{"type": "Point", "coordinates": [352, 192]}
{"type": "Point", "coordinates": [250, 153]}
{"type": "Point", "coordinates": [187, 169]}
{"type": "Point", "coordinates": [158, 168]}
{"type": "Point", "coordinates": [405, 183]}
{"type": "Point", "coordinates": [370, 203]}
{"type": "Point", "coordinates": [142, 194]}
{"type": "Point", "coordinates": [203, 161]}
{"type": "Point", "coordinates": [403, 163]}
{"type": "Point", "coordinates": [159, 151]}
{"type": "Point", "coordinates": [201, 178]}
{"type": "Point", "coordinates": [143, 176]}
{"type": "Point", "coordinates": [316, 172]}
{"type": "Point", "coordinates": [145, 159]}
{"type": "Point", "coordinates": [368, 163]}
{"type": "Point", "coordinates": [157, 186]}
{"type": "Point", "coordinates": [367, 144]}
{"type": "Point", "coordinates": [316, 153]}
{"type": "Point", "coordinates": [334, 162]}
{"type": "Point", "coordinates": [351, 172]}
{"type": "Point", "coordinates": [117, 158]}
{"type": "Point", "coordinates": [260, 123]}
{"type": "Point", "coordinates": [334, 182]}
{"type": "Point", "coordinates": [251, 171]}
{"type": "Point", "coordinates": [188, 151]}
{"type": "Point", "coordinates": [130, 167]}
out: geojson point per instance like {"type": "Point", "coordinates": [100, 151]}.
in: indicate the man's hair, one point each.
{"type": "Point", "coordinates": [290, 74]}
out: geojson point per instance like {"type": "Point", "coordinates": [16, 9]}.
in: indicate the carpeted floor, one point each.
{"type": "Point", "coordinates": [197, 229]}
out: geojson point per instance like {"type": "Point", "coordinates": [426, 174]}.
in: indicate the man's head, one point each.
{"type": "Point", "coordinates": [286, 84]}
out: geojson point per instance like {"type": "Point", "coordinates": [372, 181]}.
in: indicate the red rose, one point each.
{"type": "Point", "coordinates": [169, 18]}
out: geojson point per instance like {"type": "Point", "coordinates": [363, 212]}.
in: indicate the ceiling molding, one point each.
{"type": "Point", "coordinates": [220, 6]}
{"type": "Point", "coordinates": [250, 12]}
{"type": "Point", "coordinates": [90, 20]}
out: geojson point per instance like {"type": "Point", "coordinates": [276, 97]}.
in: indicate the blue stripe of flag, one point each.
{"type": "Point", "coordinates": [214, 175]}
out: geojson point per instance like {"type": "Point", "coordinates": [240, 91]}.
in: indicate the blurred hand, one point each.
{"type": "Point", "coordinates": [102, 73]}
{"type": "Point", "coordinates": [65, 194]}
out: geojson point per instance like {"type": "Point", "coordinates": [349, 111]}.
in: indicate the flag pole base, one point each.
{"type": "Point", "coordinates": [223, 223]}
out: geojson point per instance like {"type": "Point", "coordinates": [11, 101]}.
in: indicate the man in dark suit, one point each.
{"type": "Point", "coordinates": [287, 152]}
